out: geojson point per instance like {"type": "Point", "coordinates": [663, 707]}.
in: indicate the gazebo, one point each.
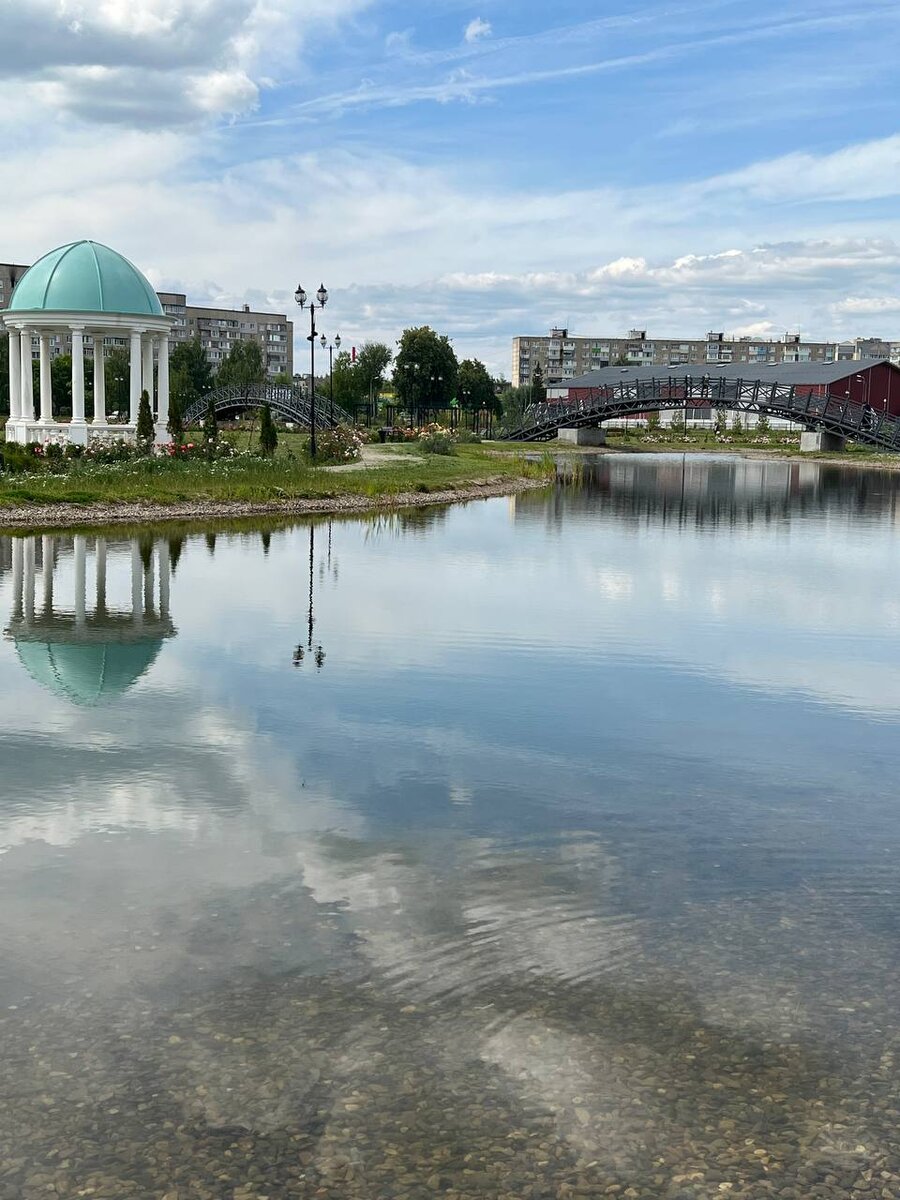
{"type": "Point", "coordinates": [84, 291]}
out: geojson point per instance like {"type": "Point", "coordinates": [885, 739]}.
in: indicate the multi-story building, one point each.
{"type": "Point", "coordinates": [563, 357]}
{"type": "Point", "coordinates": [217, 328]}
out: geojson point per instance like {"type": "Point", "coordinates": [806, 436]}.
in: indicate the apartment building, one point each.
{"type": "Point", "coordinates": [217, 328]}
{"type": "Point", "coordinates": [563, 357]}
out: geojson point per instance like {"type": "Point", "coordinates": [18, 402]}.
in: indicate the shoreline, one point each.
{"type": "Point", "coordinates": [64, 515]}
{"type": "Point", "coordinates": [772, 454]}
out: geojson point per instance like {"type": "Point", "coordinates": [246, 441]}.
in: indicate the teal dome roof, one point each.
{"type": "Point", "coordinates": [88, 674]}
{"type": "Point", "coordinates": [85, 277]}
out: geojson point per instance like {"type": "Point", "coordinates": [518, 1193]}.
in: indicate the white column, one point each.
{"type": "Point", "coordinates": [29, 581]}
{"type": "Point", "coordinates": [27, 394]}
{"type": "Point", "coordinates": [80, 578]}
{"type": "Point", "coordinates": [77, 376]}
{"type": "Point", "coordinates": [149, 588]}
{"type": "Point", "coordinates": [18, 563]}
{"type": "Point", "coordinates": [162, 384]}
{"type": "Point", "coordinates": [15, 375]}
{"type": "Point", "coordinates": [47, 544]}
{"type": "Point", "coordinates": [99, 381]}
{"type": "Point", "coordinates": [165, 572]}
{"type": "Point", "coordinates": [137, 612]}
{"type": "Point", "coordinates": [100, 551]}
{"type": "Point", "coordinates": [135, 376]}
{"type": "Point", "coordinates": [147, 368]}
{"type": "Point", "coordinates": [46, 385]}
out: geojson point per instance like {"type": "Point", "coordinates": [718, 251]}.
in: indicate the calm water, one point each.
{"type": "Point", "coordinates": [554, 852]}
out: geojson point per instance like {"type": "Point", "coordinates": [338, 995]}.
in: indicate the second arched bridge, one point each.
{"type": "Point", "coordinates": [816, 409]}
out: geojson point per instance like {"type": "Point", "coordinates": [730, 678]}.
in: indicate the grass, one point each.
{"type": "Point", "coordinates": [166, 481]}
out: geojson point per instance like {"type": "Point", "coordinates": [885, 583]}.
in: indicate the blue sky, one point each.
{"type": "Point", "coordinates": [489, 168]}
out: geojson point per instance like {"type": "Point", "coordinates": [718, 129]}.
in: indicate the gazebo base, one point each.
{"type": "Point", "coordinates": [78, 434]}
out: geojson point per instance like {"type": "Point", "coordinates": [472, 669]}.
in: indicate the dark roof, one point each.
{"type": "Point", "coordinates": [797, 374]}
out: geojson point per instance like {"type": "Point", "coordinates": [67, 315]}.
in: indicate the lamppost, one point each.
{"type": "Point", "coordinates": [335, 345]}
{"type": "Point", "coordinates": [438, 380]}
{"type": "Point", "coordinates": [414, 368]}
{"type": "Point", "coordinates": [301, 298]}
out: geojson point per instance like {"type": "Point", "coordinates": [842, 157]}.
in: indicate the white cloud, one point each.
{"type": "Point", "coordinates": [477, 30]}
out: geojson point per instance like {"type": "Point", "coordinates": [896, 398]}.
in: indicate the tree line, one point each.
{"type": "Point", "coordinates": [424, 374]}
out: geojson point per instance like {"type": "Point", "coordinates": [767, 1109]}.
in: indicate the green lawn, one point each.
{"type": "Point", "coordinates": [166, 481]}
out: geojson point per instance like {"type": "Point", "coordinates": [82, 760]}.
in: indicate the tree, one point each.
{"type": "Point", "coordinates": [244, 367]}
{"type": "Point", "coordinates": [474, 386]}
{"type": "Point", "coordinates": [61, 384]}
{"type": "Point", "coordinates": [425, 370]}
{"type": "Point", "coordinates": [146, 430]}
{"type": "Point", "coordinates": [210, 426]}
{"type": "Point", "coordinates": [117, 370]}
{"type": "Point", "coordinates": [190, 374]}
{"type": "Point", "coordinates": [268, 435]}
{"type": "Point", "coordinates": [513, 403]}
{"type": "Point", "coordinates": [175, 424]}
{"type": "Point", "coordinates": [538, 391]}
{"type": "Point", "coordinates": [348, 392]}
{"type": "Point", "coordinates": [372, 361]}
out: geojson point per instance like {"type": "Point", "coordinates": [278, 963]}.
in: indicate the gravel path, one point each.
{"type": "Point", "coordinates": [60, 516]}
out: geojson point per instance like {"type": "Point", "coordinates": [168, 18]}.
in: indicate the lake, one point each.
{"type": "Point", "coordinates": [538, 847]}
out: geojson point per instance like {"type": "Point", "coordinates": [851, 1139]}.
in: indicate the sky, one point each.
{"type": "Point", "coordinates": [488, 168]}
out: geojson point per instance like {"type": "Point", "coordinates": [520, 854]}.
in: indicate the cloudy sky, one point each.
{"type": "Point", "coordinates": [490, 168]}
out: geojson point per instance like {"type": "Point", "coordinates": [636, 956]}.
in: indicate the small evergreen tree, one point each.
{"type": "Point", "coordinates": [210, 428]}
{"type": "Point", "coordinates": [146, 430]}
{"type": "Point", "coordinates": [763, 426]}
{"type": "Point", "coordinates": [175, 426]}
{"type": "Point", "coordinates": [736, 425]}
{"type": "Point", "coordinates": [538, 391]}
{"type": "Point", "coordinates": [268, 434]}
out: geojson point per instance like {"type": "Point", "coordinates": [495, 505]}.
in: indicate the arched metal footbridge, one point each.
{"type": "Point", "coordinates": [820, 410]}
{"type": "Point", "coordinates": [286, 401]}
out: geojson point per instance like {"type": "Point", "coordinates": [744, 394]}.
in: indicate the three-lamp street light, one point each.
{"type": "Point", "coordinates": [335, 345]}
{"type": "Point", "coordinates": [304, 301]}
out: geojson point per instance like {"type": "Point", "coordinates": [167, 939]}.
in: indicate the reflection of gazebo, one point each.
{"type": "Point", "coordinates": [90, 655]}
{"type": "Point", "coordinates": [84, 290]}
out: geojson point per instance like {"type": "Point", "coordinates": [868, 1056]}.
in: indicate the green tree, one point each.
{"type": "Point", "coordinates": [513, 403]}
{"type": "Point", "coordinates": [538, 390]}
{"type": "Point", "coordinates": [268, 434]}
{"type": "Point", "coordinates": [762, 425]}
{"type": "Point", "coordinates": [117, 370]}
{"type": "Point", "coordinates": [244, 366]}
{"type": "Point", "coordinates": [175, 426]}
{"type": "Point", "coordinates": [474, 386]}
{"type": "Point", "coordinates": [425, 370]}
{"type": "Point", "coordinates": [146, 430]}
{"type": "Point", "coordinates": [736, 424]}
{"type": "Point", "coordinates": [210, 425]}
{"type": "Point", "coordinates": [372, 362]}
{"type": "Point", "coordinates": [61, 384]}
{"type": "Point", "coordinates": [190, 374]}
{"type": "Point", "coordinates": [348, 387]}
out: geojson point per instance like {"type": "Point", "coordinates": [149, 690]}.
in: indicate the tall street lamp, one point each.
{"type": "Point", "coordinates": [301, 298]}
{"type": "Point", "coordinates": [335, 345]}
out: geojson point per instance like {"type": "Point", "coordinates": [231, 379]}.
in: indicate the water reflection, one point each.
{"type": "Point", "coordinates": [86, 649]}
{"type": "Point", "coordinates": [717, 490]}
{"type": "Point", "coordinates": [558, 880]}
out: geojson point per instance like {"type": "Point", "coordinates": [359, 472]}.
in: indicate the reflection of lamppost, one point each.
{"type": "Point", "coordinates": [301, 298]}
{"type": "Point", "coordinates": [300, 652]}
{"type": "Point", "coordinates": [335, 345]}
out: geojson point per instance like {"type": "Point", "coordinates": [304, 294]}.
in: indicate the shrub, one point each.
{"type": "Point", "coordinates": [736, 425]}
{"type": "Point", "coordinates": [467, 437]}
{"type": "Point", "coordinates": [268, 435]}
{"type": "Point", "coordinates": [336, 446]}
{"type": "Point", "coordinates": [762, 425]}
{"type": "Point", "coordinates": [435, 439]}
{"type": "Point", "coordinates": [146, 430]}
{"type": "Point", "coordinates": [15, 459]}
